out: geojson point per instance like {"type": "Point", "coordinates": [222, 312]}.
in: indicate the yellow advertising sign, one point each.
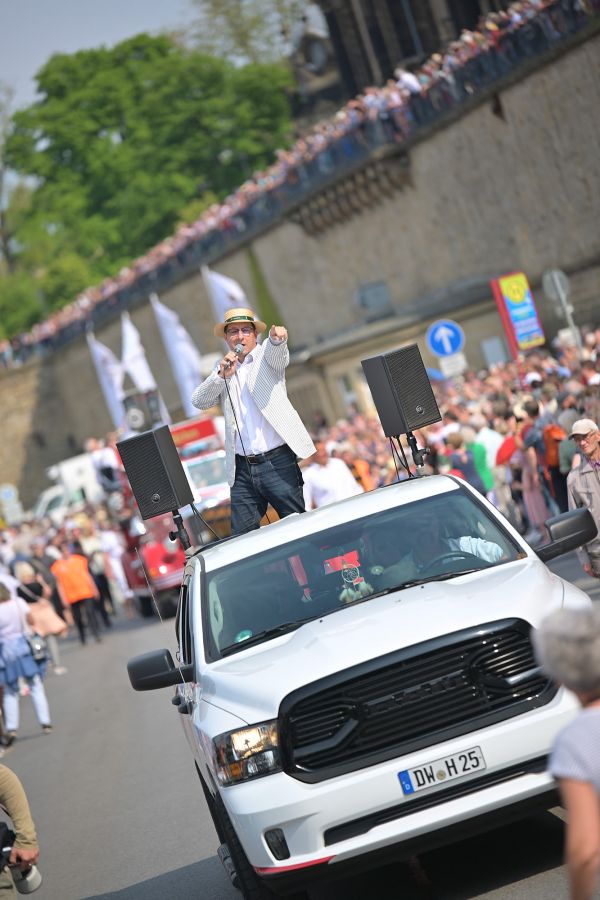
{"type": "Point", "coordinates": [517, 310]}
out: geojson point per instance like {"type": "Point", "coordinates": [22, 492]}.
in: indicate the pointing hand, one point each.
{"type": "Point", "coordinates": [278, 333]}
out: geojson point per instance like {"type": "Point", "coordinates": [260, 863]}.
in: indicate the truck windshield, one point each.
{"type": "Point", "coordinates": [433, 539]}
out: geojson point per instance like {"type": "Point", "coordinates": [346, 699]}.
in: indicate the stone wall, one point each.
{"type": "Point", "coordinates": [512, 184]}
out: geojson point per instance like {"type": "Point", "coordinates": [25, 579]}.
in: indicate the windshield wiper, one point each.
{"type": "Point", "coordinates": [417, 581]}
{"type": "Point", "coordinates": [443, 576]}
{"type": "Point", "coordinates": [265, 635]}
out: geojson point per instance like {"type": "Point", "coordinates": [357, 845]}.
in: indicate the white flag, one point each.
{"type": "Point", "coordinates": [110, 375]}
{"type": "Point", "coordinates": [134, 362]}
{"type": "Point", "coordinates": [183, 354]}
{"type": "Point", "coordinates": [224, 292]}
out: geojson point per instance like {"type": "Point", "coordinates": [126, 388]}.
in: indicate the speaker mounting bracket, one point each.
{"type": "Point", "coordinates": [180, 533]}
{"type": "Point", "coordinates": [417, 455]}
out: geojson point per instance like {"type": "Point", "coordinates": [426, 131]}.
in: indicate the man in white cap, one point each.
{"type": "Point", "coordinates": [264, 435]}
{"type": "Point", "coordinates": [583, 486]}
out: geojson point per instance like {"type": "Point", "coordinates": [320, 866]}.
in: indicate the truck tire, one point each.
{"type": "Point", "coordinates": [249, 884]}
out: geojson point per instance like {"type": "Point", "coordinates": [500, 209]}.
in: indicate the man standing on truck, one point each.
{"type": "Point", "coordinates": [264, 435]}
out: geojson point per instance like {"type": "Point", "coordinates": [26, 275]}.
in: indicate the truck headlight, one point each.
{"type": "Point", "coordinates": [247, 753]}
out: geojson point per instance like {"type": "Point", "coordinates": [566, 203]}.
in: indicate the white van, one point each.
{"type": "Point", "coordinates": [76, 485]}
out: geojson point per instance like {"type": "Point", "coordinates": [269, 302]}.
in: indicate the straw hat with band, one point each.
{"type": "Point", "coordinates": [239, 316]}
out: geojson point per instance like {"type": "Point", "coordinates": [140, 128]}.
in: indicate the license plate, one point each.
{"type": "Point", "coordinates": [448, 768]}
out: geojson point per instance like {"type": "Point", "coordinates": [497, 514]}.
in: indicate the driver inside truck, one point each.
{"type": "Point", "coordinates": [403, 554]}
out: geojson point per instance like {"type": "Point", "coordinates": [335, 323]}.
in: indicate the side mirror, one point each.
{"type": "Point", "coordinates": [567, 532]}
{"type": "Point", "coordinates": [156, 669]}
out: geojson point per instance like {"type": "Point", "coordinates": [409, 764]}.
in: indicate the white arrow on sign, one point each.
{"type": "Point", "coordinates": [444, 335]}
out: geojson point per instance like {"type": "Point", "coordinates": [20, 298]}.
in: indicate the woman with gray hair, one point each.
{"type": "Point", "coordinates": [567, 646]}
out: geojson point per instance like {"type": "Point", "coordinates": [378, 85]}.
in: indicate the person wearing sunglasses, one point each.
{"type": "Point", "coordinates": [264, 435]}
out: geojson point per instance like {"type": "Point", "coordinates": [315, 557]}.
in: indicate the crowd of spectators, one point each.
{"type": "Point", "coordinates": [58, 582]}
{"type": "Point", "coordinates": [390, 114]}
{"type": "Point", "coordinates": [487, 416]}
{"type": "Point", "coordinates": [504, 429]}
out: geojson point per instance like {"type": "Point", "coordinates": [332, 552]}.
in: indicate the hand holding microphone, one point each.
{"type": "Point", "coordinates": [230, 361]}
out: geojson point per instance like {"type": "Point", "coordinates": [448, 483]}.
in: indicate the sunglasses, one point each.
{"type": "Point", "coordinates": [246, 330]}
{"type": "Point", "coordinates": [579, 438]}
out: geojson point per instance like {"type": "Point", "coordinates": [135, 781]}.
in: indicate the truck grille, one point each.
{"type": "Point", "coordinates": [411, 698]}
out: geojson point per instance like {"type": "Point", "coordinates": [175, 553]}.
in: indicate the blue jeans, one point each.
{"type": "Point", "coordinates": [276, 480]}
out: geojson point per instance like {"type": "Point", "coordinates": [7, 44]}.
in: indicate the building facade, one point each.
{"type": "Point", "coordinates": [372, 37]}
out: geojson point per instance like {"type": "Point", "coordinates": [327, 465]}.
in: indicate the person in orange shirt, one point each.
{"type": "Point", "coordinates": [360, 468]}
{"type": "Point", "coordinates": [77, 589]}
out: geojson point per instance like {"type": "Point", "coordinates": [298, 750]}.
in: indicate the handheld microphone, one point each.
{"type": "Point", "coordinates": [239, 348]}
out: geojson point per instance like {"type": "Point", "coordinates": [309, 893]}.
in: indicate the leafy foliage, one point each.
{"type": "Point", "coordinates": [120, 143]}
{"type": "Point", "coordinates": [249, 31]}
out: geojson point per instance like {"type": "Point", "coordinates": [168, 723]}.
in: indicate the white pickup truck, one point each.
{"type": "Point", "coordinates": [357, 683]}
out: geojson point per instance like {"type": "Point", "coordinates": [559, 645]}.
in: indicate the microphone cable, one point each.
{"type": "Point", "coordinates": [204, 522]}
{"type": "Point", "coordinates": [399, 456]}
{"type": "Point", "coordinates": [239, 349]}
{"type": "Point", "coordinates": [395, 458]}
{"type": "Point", "coordinates": [405, 462]}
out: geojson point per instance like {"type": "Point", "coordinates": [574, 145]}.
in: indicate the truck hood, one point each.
{"type": "Point", "coordinates": [251, 684]}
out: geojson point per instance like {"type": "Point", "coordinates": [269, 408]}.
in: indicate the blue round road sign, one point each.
{"type": "Point", "coordinates": [445, 337]}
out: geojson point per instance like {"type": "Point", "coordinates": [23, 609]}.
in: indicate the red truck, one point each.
{"type": "Point", "coordinates": [153, 565]}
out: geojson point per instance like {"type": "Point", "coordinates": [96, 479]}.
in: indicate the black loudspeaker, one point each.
{"type": "Point", "coordinates": [155, 473]}
{"type": "Point", "coordinates": [401, 390]}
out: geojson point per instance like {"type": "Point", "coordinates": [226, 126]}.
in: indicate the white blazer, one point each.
{"type": "Point", "coordinates": [266, 384]}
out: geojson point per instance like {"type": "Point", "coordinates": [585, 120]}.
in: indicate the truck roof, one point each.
{"type": "Point", "coordinates": [298, 525]}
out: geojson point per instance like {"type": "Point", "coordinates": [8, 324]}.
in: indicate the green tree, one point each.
{"type": "Point", "coordinates": [122, 140]}
{"type": "Point", "coordinates": [19, 303]}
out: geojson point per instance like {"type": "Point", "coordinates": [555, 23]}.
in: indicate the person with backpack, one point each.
{"type": "Point", "coordinates": [552, 435]}
{"type": "Point", "coordinates": [532, 435]}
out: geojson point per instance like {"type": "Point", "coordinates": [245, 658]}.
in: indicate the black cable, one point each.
{"type": "Point", "coordinates": [399, 456]}
{"type": "Point", "coordinates": [395, 458]}
{"type": "Point", "coordinates": [237, 425]}
{"type": "Point", "coordinates": [204, 522]}
{"type": "Point", "coordinates": [406, 465]}
{"type": "Point", "coordinates": [399, 451]}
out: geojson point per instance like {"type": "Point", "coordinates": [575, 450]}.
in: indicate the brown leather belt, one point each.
{"type": "Point", "coordinates": [255, 459]}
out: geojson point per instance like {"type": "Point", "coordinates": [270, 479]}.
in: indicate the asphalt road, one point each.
{"type": "Point", "coordinates": [120, 813]}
